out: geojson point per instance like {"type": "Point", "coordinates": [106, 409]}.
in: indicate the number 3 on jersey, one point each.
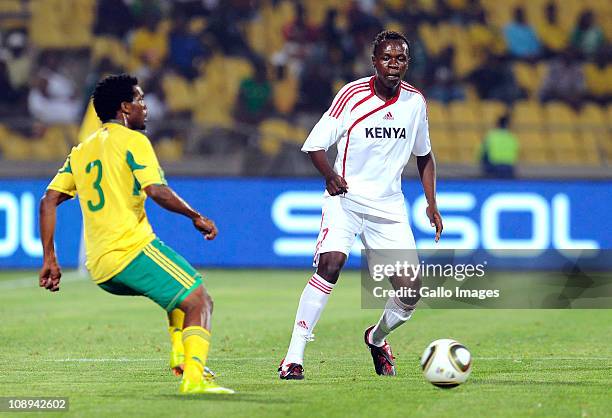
{"type": "Point", "coordinates": [96, 185]}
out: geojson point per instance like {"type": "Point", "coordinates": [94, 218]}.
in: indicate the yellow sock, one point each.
{"type": "Point", "coordinates": [176, 318]}
{"type": "Point", "coordinates": [196, 341]}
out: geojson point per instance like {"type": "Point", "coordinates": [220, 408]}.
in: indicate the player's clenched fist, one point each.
{"type": "Point", "coordinates": [336, 185]}
{"type": "Point", "coordinates": [49, 276]}
{"type": "Point", "coordinates": [206, 226]}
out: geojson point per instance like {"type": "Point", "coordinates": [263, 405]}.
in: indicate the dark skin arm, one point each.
{"type": "Point", "coordinates": [165, 197]}
{"type": "Point", "coordinates": [50, 273]}
{"type": "Point", "coordinates": [334, 183]}
{"type": "Point", "coordinates": [427, 171]}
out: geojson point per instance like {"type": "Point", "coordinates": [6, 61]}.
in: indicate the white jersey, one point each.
{"type": "Point", "coordinates": [375, 140]}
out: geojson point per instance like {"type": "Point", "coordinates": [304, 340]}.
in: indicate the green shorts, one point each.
{"type": "Point", "coordinates": [158, 273]}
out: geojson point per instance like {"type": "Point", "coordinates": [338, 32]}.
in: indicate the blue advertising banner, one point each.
{"type": "Point", "coordinates": [275, 222]}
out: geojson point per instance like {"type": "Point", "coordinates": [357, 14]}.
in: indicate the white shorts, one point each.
{"type": "Point", "coordinates": [340, 227]}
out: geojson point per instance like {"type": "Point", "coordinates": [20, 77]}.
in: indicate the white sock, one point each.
{"type": "Point", "coordinates": [394, 315]}
{"type": "Point", "coordinates": [313, 300]}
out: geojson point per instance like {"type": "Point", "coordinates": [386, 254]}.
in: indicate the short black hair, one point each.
{"type": "Point", "coordinates": [388, 35]}
{"type": "Point", "coordinates": [110, 92]}
{"type": "Point", "coordinates": [503, 121]}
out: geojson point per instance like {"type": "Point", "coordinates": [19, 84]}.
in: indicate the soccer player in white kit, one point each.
{"type": "Point", "coordinates": [377, 123]}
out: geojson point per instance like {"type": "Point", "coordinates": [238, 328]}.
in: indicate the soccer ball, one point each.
{"type": "Point", "coordinates": [446, 363]}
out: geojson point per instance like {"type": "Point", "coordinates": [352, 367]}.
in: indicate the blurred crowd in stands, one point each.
{"type": "Point", "coordinates": [231, 66]}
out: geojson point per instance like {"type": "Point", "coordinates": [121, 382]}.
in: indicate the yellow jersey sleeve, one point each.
{"type": "Point", "coordinates": [143, 162]}
{"type": "Point", "coordinates": [64, 180]}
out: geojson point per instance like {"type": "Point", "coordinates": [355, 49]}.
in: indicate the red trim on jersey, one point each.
{"type": "Point", "coordinates": [320, 283]}
{"type": "Point", "coordinates": [365, 99]}
{"type": "Point", "coordinates": [413, 89]}
{"type": "Point", "coordinates": [345, 101]}
{"type": "Point", "coordinates": [316, 286]}
{"type": "Point", "coordinates": [341, 98]}
{"type": "Point", "coordinates": [348, 135]}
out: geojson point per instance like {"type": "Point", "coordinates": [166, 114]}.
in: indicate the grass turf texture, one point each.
{"type": "Point", "coordinates": [108, 354]}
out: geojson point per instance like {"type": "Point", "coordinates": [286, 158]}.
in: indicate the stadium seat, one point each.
{"type": "Point", "coordinates": [466, 60]}
{"type": "Point", "coordinates": [273, 133]}
{"type": "Point", "coordinates": [169, 149]}
{"type": "Point", "coordinates": [568, 158]}
{"type": "Point", "coordinates": [256, 35]}
{"type": "Point", "coordinates": [468, 143]}
{"type": "Point", "coordinates": [285, 94]}
{"type": "Point", "coordinates": [210, 106]}
{"type": "Point", "coordinates": [533, 148]}
{"type": "Point", "coordinates": [62, 23]}
{"type": "Point", "coordinates": [457, 5]}
{"type": "Point", "coordinates": [432, 40]}
{"type": "Point", "coordinates": [236, 69]}
{"type": "Point", "coordinates": [564, 139]}
{"type": "Point", "coordinates": [560, 114]}
{"type": "Point", "coordinates": [444, 146]}
{"type": "Point", "coordinates": [10, 6]}
{"type": "Point", "coordinates": [500, 13]}
{"type": "Point", "coordinates": [592, 117]}
{"type": "Point", "coordinates": [527, 114]}
{"type": "Point", "coordinates": [490, 111]}
{"type": "Point", "coordinates": [527, 77]}
{"type": "Point", "coordinates": [178, 92]}
{"type": "Point", "coordinates": [111, 48]}
{"type": "Point", "coordinates": [464, 115]}
{"type": "Point", "coordinates": [605, 143]}
{"type": "Point", "coordinates": [437, 113]}
{"type": "Point", "coordinates": [598, 81]}
{"type": "Point", "coordinates": [565, 147]}
{"type": "Point", "coordinates": [589, 144]}
{"type": "Point", "coordinates": [19, 149]}
{"type": "Point", "coordinates": [53, 145]}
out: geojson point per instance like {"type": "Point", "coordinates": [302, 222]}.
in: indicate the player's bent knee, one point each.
{"type": "Point", "coordinates": [195, 301]}
{"type": "Point", "coordinates": [330, 265]}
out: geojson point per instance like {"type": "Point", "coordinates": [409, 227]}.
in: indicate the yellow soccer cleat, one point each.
{"type": "Point", "coordinates": [205, 386]}
{"type": "Point", "coordinates": [177, 365]}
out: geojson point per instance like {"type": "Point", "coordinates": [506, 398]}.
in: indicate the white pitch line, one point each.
{"type": "Point", "coordinates": [138, 360]}
{"type": "Point", "coordinates": [32, 280]}
{"type": "Point", "coordinates": [540, 358]}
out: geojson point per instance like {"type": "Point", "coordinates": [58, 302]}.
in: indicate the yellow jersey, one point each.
{"type": "Point", "coordinates": [108, 172]}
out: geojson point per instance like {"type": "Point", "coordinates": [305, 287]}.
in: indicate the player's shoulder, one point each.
{"type": "Point", "coordinates": [132, 138]}
{"type": "Point", "coordinates": [409, 92]}
{"type": "Point", "coordinates": [359, 83]}
{"type": "Point", "coordinates": [349, 91]}
{"type": "Point", "coordinates": [135, 136]}
{"type": "Point", "coordinates": [77, 150]}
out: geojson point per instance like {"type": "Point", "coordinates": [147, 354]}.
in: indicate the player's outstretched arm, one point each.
{"type": "Point", "coordinates": [165, 197]}
{"type": "Point", "coordinates": [334, 183]}
{"type": "Point", "coordinates": [427, 171]}
{"type": "Point", "coordinates": [50, 273]}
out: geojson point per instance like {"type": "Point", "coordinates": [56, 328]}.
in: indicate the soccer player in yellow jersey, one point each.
{"type": "Point", "coordinates": [112, 172]}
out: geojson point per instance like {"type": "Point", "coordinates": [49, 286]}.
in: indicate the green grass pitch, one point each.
{"type": "Point", "coordinates": [108, 355]}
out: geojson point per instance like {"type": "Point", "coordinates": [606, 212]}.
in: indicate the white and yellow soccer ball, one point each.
{"type": "Point", "coordinates": [446, 363]}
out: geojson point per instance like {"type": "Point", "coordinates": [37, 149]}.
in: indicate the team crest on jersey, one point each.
{"type": "Point", "coordinates": [385, 133]}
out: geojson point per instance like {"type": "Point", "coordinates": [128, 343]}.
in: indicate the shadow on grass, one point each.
{"type": "Point", "coordinates": [538, 383]}
{"type": "Point", "coordinates": [262, 399]}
